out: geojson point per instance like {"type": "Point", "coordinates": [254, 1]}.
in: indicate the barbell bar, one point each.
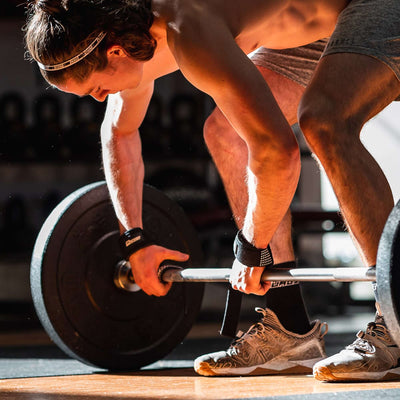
{"type": "Point", "coordinates": [174, 273]}
{"type": "Point", "coordinates": [77, 276]}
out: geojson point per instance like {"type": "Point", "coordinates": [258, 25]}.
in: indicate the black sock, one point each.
{"type": "Point", "coordinates": [288, 305]}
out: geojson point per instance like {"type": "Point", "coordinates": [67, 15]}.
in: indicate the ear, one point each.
{"type": "Point", "coordinates": [116, 51]}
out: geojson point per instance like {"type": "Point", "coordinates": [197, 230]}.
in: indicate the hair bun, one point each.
{"type": "Point", "coordinates": [52, 7]}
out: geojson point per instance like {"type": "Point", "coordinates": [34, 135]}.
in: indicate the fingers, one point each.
{"type": "Point", "coordinates": [248, 279]}
{"type": "Point", "coordinates": [145, 263]}
{"type": "Point", "coordinates": [175, 255]}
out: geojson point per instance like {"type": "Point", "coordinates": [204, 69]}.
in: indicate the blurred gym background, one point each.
{"type": "Point", "coordinates": [49, 146]}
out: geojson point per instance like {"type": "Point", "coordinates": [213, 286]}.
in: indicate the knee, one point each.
{"type": "Point", "coordinates": [218, 134]}
{"type": "Point", "coordinates": [220, 138]}
{"type": "Point", "coordinates": [210, 130]}
{"type": "Point", "coordinates": [316, 122]}
{"type": "Point", "coordinates": [327, 127]}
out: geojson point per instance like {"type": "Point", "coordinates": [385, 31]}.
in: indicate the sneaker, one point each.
{"type": "Point", "coordinates": [373, 356]}
{"type": "Point", "coordinates": [267, 348]}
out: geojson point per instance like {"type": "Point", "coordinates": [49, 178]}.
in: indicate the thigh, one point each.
{"type": "Point", "coordinates": [349, 86]}
{"type": "Point", "coordinates": [287, 73]}
{"type": "Point", "coordinates": [286, 92]}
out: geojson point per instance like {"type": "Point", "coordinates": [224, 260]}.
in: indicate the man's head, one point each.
{"type": "Point", "coordinates": [59, 30]}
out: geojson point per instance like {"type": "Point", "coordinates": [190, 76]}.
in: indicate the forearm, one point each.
{"type": "Point", "coordinates": [243, 96]}
{"type": "Point", "coordinates": [124, 172]}
{"type": "Point", "coordinates": [271, 182]}
{"type": "Point", "coordinates": [122, 153]}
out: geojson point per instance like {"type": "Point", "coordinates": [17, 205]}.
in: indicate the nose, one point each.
{"type": "Point", "coordinates": [100, 96]}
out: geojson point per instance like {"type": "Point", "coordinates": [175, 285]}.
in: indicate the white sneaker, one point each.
{"type": "Point", "coordinates": [267, 348]}
{"type": "Point", "coordinates": [373, 356]}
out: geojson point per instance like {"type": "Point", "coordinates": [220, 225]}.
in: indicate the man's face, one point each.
{"type": "Point", "coordinates": [120, 74]}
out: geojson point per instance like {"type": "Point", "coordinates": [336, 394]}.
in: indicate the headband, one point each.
{"type": "Point", "coordinates": [77, 58]}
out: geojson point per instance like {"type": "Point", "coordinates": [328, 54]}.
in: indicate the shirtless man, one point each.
{"type": "Point", "coordinates": [116, 49]}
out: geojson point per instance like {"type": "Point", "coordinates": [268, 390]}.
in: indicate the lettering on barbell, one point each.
{"type": "Point", "coordinates": [275, 284]}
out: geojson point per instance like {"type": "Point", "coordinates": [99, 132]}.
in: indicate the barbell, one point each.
{"type": "Point", "coordinates": [90, 306]}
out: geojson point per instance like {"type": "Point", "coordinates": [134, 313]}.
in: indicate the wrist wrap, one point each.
{"type": "Point", "coordinates": [250, 255]}
{"type": "Point", "coordinates": [133, 240]}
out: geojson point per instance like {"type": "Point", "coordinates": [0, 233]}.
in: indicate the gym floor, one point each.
{"type": "Point", "coordinates": [32, 368]}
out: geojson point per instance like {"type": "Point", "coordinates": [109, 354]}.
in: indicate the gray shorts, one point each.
{"type": "Point", "coordinates": [297, 64]}
{"type": "Point", "coordinates": [370, 27]}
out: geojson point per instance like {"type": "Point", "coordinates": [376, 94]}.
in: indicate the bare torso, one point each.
{"type": "Point", "coordinates": [208, 41]}
{"type": "Point", "coordinates": [275, 24]}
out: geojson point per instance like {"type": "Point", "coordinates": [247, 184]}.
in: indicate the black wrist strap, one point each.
{"type": "Point", "coordinates": [133, 240]}
{"type": "Point", "coordinates": [232, 313]}
{"type": "Point", "coordinates": [250, 255]}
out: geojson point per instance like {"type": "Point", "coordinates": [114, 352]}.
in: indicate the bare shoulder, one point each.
{"type": "Point", "coordinates": [179, 14]}
{"type": "Point", "coordinates": [168, 9]}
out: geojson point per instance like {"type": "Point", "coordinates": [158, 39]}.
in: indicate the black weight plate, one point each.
{"type": "Point", "coordinates": [74, 294]}
{"type": "Point", "coordinates": [388, 273]}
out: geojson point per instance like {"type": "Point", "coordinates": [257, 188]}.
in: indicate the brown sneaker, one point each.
{"type": "Point", "coordinates": [373, 356]}
{"type": "Point", "coordinates": [267, 348]}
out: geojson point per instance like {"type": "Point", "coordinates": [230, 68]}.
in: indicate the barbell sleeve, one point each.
{"type": "Point", "coordinates": [173, 273]}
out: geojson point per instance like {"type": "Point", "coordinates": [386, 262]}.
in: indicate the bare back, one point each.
{"type": "Point", "coordinates": [275, 24]}
{"type": "Point", "coordinates": [283, 23]}
{"type": "Point", "coordinates": [269, 23]}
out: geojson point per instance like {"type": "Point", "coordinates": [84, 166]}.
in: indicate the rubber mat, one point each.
{"type": "Point", "coordinates": [29, 362]}
{"type": "Point", "coordinates": [386, 394]}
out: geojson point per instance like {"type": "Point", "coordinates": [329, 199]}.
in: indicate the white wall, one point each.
{"type": "Point", "coordinates": [381, 137]}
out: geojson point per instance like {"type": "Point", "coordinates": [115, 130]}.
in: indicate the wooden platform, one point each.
{"type": "Point", "coordinates": [178, 384]}
{"type": "Point", "coordinates": [168, 379]}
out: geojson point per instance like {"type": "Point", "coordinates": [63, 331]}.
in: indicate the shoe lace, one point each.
{"type": "Point", "coordinates": [363, 342]}
{"type": "Point", "coordinates": [255, 330]}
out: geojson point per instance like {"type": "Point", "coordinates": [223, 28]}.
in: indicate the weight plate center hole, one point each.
{"type": "Point", "coordinates": [123, 277]}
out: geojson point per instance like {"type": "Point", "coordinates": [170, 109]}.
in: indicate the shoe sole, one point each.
{"type": "Point", "coordinates": [324, 374]}
{"type": "Point", "coordinates": [205, 370]}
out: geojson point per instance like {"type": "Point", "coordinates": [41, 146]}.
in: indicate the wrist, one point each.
{"type": "Point", "coordinates": [249, 255]}
{"type": "Point", "coordinates": [133, 240]}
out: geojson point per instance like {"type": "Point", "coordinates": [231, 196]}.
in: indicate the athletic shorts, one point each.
{"type": "Point", "coordinates": [297, 64]}
{"type": "Point", "coordinates": [369, 27]}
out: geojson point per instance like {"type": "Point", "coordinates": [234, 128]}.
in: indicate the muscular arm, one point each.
{"type": "Point", "coordinates": [209, 57]}
{"type": "Point", "coordinates": [124, 171]}
{"type": "Point", "coordinates": [122, 153]}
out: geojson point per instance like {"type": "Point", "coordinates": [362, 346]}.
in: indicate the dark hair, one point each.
{"type": "Point", "coordinates": [58, 30]}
